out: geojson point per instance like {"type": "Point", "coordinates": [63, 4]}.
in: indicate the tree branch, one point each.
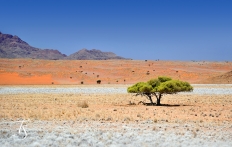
{"type": "Point", "coordinates": [155, 95]}
{"type": "Point", "coordinates": [142, 94]}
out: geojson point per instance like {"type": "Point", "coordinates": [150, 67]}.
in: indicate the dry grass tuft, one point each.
{"type": "Point", "coordinates": [83, 104]}
{"type": "Point", "coordinates": [131, 103]}
{"type": "Point", "coordinates": [194, 134]}
{"type": "Point", "coordinates": [155, 120]}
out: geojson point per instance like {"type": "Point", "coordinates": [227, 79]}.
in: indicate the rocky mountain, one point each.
{"type": "Point", "coordinates": [13, 47]}
{"type": "Point", "coordinates": [93, 54]}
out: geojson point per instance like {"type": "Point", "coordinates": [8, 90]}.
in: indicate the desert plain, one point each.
{"type": "Point", "coordinates": [59, 103]}
{"type": "Point", "coordinates": [60, 72]}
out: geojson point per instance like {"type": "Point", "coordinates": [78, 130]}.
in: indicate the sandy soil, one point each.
{"type": "Point", "coordinates": [28, 71]}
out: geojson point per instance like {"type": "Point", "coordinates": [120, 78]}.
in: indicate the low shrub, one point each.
{"type": "Point", "coordinates": [83, 104]}
{"type": "Point", "coordinates": [98, 81]}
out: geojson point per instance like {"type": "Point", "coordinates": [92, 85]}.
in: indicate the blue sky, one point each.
{"type": "Point", "coordinates": [137, 29]}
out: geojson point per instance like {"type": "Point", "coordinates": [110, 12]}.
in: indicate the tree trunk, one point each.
{"type": "Point", "coordinates": [158, 100]}
{"type": "Point", "coordinates": [149, 96]}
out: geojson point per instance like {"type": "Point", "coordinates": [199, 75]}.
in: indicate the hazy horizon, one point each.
{"type": "Point", "coordinates": [141, 30]}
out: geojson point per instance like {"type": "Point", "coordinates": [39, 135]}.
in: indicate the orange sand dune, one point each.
{"type": "Point", "coordinates": [31, 71]}
{"type": "Point", "coordinates": [15, 78]}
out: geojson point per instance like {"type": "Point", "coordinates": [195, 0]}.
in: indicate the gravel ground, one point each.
{"type": "Point", "coordinates": [44, 133]}
{"type": "Point", "coordinates": [15, 90]}
{"type": "Point", "coordinates": [198, 89]}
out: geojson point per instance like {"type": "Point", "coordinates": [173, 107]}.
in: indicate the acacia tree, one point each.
{"type": "Point", "coordinates": [158, 87]}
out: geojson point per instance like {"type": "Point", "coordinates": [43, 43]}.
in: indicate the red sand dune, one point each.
{"type": "Point", "coordinates": [31, 71]}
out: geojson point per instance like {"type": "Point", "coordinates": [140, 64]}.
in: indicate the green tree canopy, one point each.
{"type": "Point", "coordinates": [158, 87]}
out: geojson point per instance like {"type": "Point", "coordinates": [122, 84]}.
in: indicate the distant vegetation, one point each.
{"type": "Point", "coordinates": [159, 87]}
{"type": "Point", "coordinates": [98, 81]}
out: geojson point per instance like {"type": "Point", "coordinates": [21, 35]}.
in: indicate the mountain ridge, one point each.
{"type": "Point", "coordinates": [94, 54]}
{"type": "Point", "coordinates": [14, 47]}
